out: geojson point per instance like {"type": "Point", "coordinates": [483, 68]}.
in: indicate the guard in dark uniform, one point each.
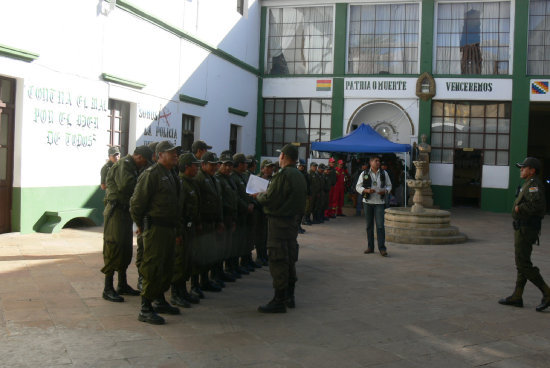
{"type": "Point", "coordinates": [284, 204]}
{"type": "Point", "coordinates": [266, 172]}
{"type": "Point", "coordinates": [188, 166]}
{"type": "Point", "coordinates": [528, 210]}
{"type": "Point", "coordinates": [114, 155]}
{"type": "Point", "coordinates": [155, 208]}
{"type": "Point", "coordinates": [315, 190]}
{"type": "Point", "coordinates": [117, 230]}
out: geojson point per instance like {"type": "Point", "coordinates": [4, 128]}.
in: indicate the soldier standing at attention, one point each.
{"type": "Point", "coordinates": [307, 210]}
{"type": "Point", "coordinates": [528, 210]}
{"type": "Point", "coordinates": [114, 155]}
{"type": "Point", "coordinates": [283, 204]}
{"type": "Point", "coordinates": [117, 231]}
{"type": "Point", "coordinates": [199, 148]}
{"type": "Point", "coordinates": [188, 166]}
{"type": "Point", "coordinates": [266, 172]}
{"type": "Point", "coordinates": [315, 192]}
{"type": "Point", "coordinates": [155, 208]}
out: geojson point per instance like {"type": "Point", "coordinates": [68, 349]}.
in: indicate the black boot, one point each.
{"type": "Point", "coordinates": [290, 303]}
{"type": "Point", "coordinates": [189, 297]}
{"type": "Point", "coordinates": [109, 292]}
{"type": "Point", "coordinates": [123, 288]}
{"type": "Point", "coordinates": [195, 288]}
{"type": "Point", "coordinates": [140, 282]}
{"type": "Point", "coordinates": [177, 298]}
{"type": "Point", "coordinates": [276, 305]}
{"type": "Point", "coordinates": [147, 314]}
{"type": "Point", "coordinates": [515, 300]}
{"type": "Point", "coordinates": [160, 305]}
{"type": "Point", "coordinates": [543, 287]}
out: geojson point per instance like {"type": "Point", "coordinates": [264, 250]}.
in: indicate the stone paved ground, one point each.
{"type": "Point", "coordinates": [424, 306]}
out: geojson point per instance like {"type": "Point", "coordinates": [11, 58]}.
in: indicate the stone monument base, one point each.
{"type": "Point", "coordinates": [428, 227]}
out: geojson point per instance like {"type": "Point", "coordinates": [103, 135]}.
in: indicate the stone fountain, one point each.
{"type": "Point", "coordinates": [418, 224]}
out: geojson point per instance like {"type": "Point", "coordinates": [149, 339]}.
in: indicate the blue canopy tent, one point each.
{"type": "Point", "coordinates": [364, 139]}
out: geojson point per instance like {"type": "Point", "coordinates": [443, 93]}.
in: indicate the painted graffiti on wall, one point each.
{"type": "Point", "coordinates": [158, 125]}
{"type": "Point", "coordinates": [66, 118]}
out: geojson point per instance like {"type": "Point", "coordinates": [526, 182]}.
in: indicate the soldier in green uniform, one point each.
{"type": "Point", "coordinates": [210, 223]}
{"type": "Point", "coordinates": [199, 148]}
{"type": "Point", "coordinates": [230, 200]}
{"type": "Point", "coordinates": [245, 225]}
{"type": "Point", "coordinates": [117, 231]}
{"type": "Point", "coordinates": [528, 210]}
{"type": "Point", "coordinates": [315, 192]}
{"type": "Point", "coordinates": [327, 175]}
{"type": "Point", "coordinates": [139, 250]}
{"type": "Point", "coordinates": [188, 166]}
{"type": "Point", "coordinates": [284, 204]}
{"type": "Point", "coordinates": [266, 172]}
{"type": "Point", "coordinates": [155, 208]}
{"type": "Point", "coordinates": [114, 155]}
{"type": "Point", "coordinates": [254, 216]}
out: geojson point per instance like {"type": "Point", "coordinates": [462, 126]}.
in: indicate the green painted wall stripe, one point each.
{"type": "Point", "coordinates": [260, 98]}
{"type": "Point", "coordinates": [495, 200]}
{"type": "Point", "coordinates": [337, 119]}
{"type": "Point", "coordinates": [125, 5]}
{"type": "Point", "coordinates": [192, 100]}
{"type": "Point", "coordinates": [442, 196]}
{"type": "Point", "coordinates": [426, 64]}
{"type": "Point", "coordinates": [122, 81]}
{"type": "Point", "coordinates": [30, 204]}
{"type": "Point", "coordinates": [19, 54]}
{"type": "Point", "coordinates": [235, 111]}
{"type": "Point", "coordinates": [520, 98]}
{"type": "Point", "coordinates": [340, 35]}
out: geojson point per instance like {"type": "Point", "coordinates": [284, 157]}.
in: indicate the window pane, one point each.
{"type": "Point", "coordinates": [302, 136]}
{"type": "Point", "coordinates": [476, 141]}
{"type": "Point", "coordinates": [491, 125]}
{"type": "Point", "coordinates": [278, 135]}
{"type": "Point", "coordinates": [315, 106]}
{"type": "Point", "coordinates": [437, 124]}
{"type": "Point", "coordinates": [503, 141]}
{"type": "Point", "coordinates": [326, 121]}
{"type": "Point", "coordinates": [504, 125]}
{"type": "Point", "coordinates": [447, 156]}
{"type": "Point", "coordinates": [502, 158]}
{"type": "Point", "coordinates": [3, 131]}
{"type": "Point", "coordinates": [489, 157]}
{"type": "Point", "coordinates": [290, 136]}
{"type": "Point", "coordinates": [268, 120]}
{"type": "Point", "coordinates": [290, 120]}
{"type": "Point", "coordinates": [5, 89]}
{"type": "Point", "coordinates": [437, 139]}
{"type": "Point", "coordinates": [490, 141]}
{"type": "Point", "coordinates": [436, 155]}
{"type": "Point", "coordinates": [315, 121]}
{"type": "Point", "coordinates": [461, 140]}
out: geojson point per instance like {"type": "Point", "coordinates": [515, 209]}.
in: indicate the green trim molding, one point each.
{"type": "Point", "coordinates": [192, 100]}
{"type": "Point", "coordinates": [426, 65]}
{"type": "Point", "coordinates": [18, 54]}
{"type": "Point", "coordinates": [495, 200]}
{"type": "Point", "coordinates": [34, 207]}
{"type": "Point", "coordinates": [126, 6]}
{"type": "Point", "coordinates": [340, 26]}
{"type": "Point", "coordinates": [235, 111]}
{"type": "Point", "coordinates": [442, 196]}
{"type": "Point", "coordinates": [121, 81]}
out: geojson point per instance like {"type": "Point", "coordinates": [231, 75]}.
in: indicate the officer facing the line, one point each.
{"type": "Point", "coordinates": [528, 210]}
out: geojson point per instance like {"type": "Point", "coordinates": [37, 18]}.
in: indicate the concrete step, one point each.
{"type": "Point", "coordinates": [429, 232]}
{"type": "Point", "coordinates": [429, 240]}
{"type": "Point", "coordinates": [415, 225]}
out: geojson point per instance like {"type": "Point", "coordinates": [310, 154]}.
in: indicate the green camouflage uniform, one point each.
{"type": "Point", "coordinates": [283, 203]}
{"type": "Point", "coordinates": [105, 170]}
{"type": "Point", "coordinates": [155, 208]}
{"type": "Point", "coordinates": [230, 199]}
{"type": "Point", "coordinates": [531, 202]}
{"type": "Point", "coordinates": [242, 235]}
{"type": "Point", "coordinates": [117, 230]}
{"type": "Point", "coordinates": [316, 189]}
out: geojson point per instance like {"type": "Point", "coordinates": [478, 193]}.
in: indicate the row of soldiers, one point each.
{"type": "Point", "coordinates": [194, 220]}
{"type": "Point", "coordinates": [321, 181]}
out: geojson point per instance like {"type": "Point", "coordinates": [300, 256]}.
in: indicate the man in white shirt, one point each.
{"type": "Point", "coordinates": [374, 185]}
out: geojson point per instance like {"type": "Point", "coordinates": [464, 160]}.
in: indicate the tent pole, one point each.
{"type": "Point", "coordinates": [405, 182]}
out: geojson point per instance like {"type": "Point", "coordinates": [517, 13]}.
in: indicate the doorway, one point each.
{"type": "Point", "coordinates": [537, 144]}
{"type": "Point", "coordinates": [187, 132]}
{"type": "Point", "coordinates": [468, 168]}
{"type": "Point", "coordinates": [7, 109]}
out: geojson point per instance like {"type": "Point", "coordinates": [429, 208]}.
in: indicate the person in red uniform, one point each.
{"type": "Point", "coordinates": [340, 188]}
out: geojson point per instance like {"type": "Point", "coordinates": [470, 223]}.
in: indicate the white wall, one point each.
{"type": "Point", "coordinates": [79, 40]}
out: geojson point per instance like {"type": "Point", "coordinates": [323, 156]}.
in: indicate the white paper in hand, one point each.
{"type": "Point", "coordinates": [256, 185]}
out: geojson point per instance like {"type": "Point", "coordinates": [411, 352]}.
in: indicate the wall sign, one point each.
{"type": "Point", "coordinates": [473, 89]}
{"type": "Point", "coordinates": [387, 88]}
{"type": "Point", "coordinates": [539, 90]}
{"type": "Point", "coordinates": [160, 123]}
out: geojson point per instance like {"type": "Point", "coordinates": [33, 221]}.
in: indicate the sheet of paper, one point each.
{"type": "Point", "coordinates": [256, 185]}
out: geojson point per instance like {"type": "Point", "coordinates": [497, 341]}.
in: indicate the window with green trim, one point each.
{"type": "Point", "coordinates": [473, 38]}
{"type": "Point", "coordinates": [384, 39]}
{"type": "Point", "coordinates": [538, 54]}
{"type": "Point", "coordinates": [482, 126]}
{"type": "Point", "coordinates": [300, 40]}
{"type": "Point", "coordinates": [295, 121]}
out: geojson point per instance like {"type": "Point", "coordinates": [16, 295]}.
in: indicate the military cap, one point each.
{"type": "Point", "coordinates": [266, 163]}
{"type": "Point", "coordinates": [210, 157]}
{"type": "Point", "coordinates": [322, 166]}
{"type": "Point", "coordinates": [166, 146]}
{"type": "Point", "coordinates": [302, 162]}
{"type": "Point", "coordinates": [114, 151]}
{"type": "Point", "coordinates": [197, 145]}
{"type": "Point", "coordinates": [226, 157]}
{"type": "Point", "coordinates": [145, 152]}
{"type": "Point", "coordinates": [251, 158]}
{"type": "Point", "coordinates": [314, 164]}
{"type": "Point", "coordinates": [240, 158]}
{"type": "Point", "coordinates": [290, 150]}
{"type": "Point", "coordinates": [187, 159]}
{"type": "Point", "coordinates": [153, 146]}
{"type": "Point", "coordinates": [531, 162]}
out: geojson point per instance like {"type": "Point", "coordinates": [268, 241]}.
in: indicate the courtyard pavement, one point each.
{"type": "Point", "coordinates": [424, 306]}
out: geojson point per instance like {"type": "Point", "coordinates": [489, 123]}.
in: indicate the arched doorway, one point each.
{"type": "Point", "coordinates": [386, 117]}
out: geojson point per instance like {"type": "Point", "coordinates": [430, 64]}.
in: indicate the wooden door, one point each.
{"type": "Point", "coordinates": [7, 107]}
